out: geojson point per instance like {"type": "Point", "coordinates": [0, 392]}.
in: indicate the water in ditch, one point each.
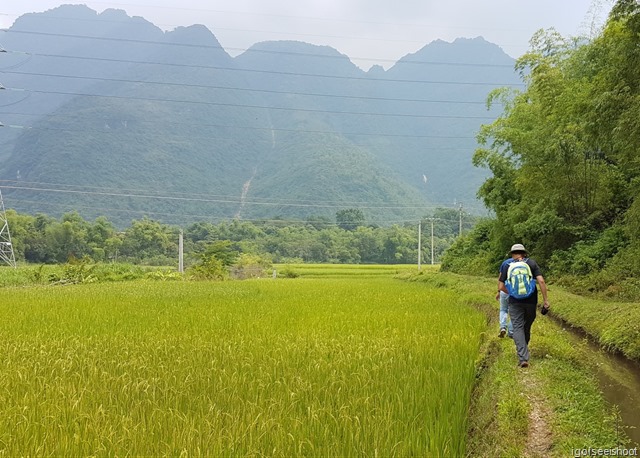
{"type": "Point", "coordinates": [619, 380]}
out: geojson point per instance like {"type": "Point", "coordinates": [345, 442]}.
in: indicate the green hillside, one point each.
{"type": "Point", "coordinates": [286, 129]}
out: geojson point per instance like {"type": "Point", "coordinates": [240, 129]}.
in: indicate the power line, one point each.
{"type": "Point", "coordinates": [322, 132]}
{"type": "Point", "coordinates": [234, 201]}
{"type": "Point", "coordinates": [180, 217]}
{"type": "Point", "coordinates": [205, 86]}
{"type": "Point", "coordinates": [8, 183]}
{"type": "Point", "coordinates": [272, 72]}
{"type": "Point", "coordinates": [252, 106]}
{"type": "Point", "coordinates": [261, 107]}
{"type": "Point", "coordinates": [200, 197]}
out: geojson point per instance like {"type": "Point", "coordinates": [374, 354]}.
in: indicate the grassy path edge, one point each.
{"type": "Point", "coordinates": [552, 408]}
{"type": "Point", "coordinates": [613, 325]}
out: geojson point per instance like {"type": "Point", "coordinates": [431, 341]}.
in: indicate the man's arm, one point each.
{"type": "Point", "coordinates": [543, 290]}
{"type": "Point", "coordinates": [502, 287]}
{"type": "Point", "coordinates": [501, 279]}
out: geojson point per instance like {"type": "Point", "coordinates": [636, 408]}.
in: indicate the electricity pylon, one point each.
{"type": "Point", "coordinates": [6, 247]}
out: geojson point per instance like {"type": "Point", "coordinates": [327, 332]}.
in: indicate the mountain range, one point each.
{"type": "Point", "coordinates": [109, 115]}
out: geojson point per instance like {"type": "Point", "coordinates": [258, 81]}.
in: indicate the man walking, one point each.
{"type": "Point", "coordinates": [518, 279]}
{"type": "Point", "coordinates": [506, 327]}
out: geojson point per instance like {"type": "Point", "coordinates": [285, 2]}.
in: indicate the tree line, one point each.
{"type": "Point", "coordinates": [48, 240]}
{"type": "Point", "coordinates": [564, 158]}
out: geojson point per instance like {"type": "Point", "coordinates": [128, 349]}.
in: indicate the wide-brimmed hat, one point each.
{"type": "Point", "coordinates": [518, 247]}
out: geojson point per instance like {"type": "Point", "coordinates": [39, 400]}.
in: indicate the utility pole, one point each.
{"type": "Point", "coordinates": [419, 245]}
{"type": "Point", "coordinates": [460, 227]}
{"type": "Point", "coordinates": [6, 247]}
{"type": "Point", "coordinates": [432, 261]}
{"type": "Point", "coordinates": [181, 252]}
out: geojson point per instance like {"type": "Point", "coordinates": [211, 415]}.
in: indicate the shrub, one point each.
{"type": "Point", "coordinates": [209, 269]}
{"type": "Point", "coordinates": [472, 253]}
{"type": "Point", "coordinates": [164, 275]}
{"type": "Point", "coordinates": [250, 266]}
{"type": "Point", "coordinates": [288, 272]}
{"type": "Point", "coordinates": [78, 271]}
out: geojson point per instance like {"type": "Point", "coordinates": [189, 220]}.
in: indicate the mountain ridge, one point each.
{"type": "Point", "coordinates": [299, 122]}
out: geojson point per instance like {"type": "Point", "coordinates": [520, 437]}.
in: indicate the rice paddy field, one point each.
{"type": "Point", "coordinates": [319, 365]}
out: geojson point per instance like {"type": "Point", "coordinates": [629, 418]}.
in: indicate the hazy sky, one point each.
{"type": "Point", "coordinates": [368, 31]}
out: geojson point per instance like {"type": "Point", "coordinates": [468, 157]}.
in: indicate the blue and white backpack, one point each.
{"type": "Point", "coordinates": [520, 282]}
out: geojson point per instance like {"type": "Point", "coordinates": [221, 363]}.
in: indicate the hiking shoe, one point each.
{"type": "Point", "coordinates": [523, 364]}
{"type": "Point", "coordinates": [503, 331]}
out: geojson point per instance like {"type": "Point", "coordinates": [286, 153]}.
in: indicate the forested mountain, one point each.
{"type": "Point", "coordinates": [126, 120]}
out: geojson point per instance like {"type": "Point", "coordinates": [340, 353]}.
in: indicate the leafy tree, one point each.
{"type": "Point", "coordinates": [400, 245]}
{"type": "Point", "coordinates": [368, 242]}
{"type": "Point", "coordinates": [200, 231]}
{"type": "Point", "coordinates": [112, 247]}
{"type": "Point", "coordinates": [99, 233]}
{"type": "Point", "coordinates": [101, 230]}
{"type": "Point", "coordinates": [473, 253]}
{"type": "Point", "coordinates": [215, 261]}
{"type": "Point", "coordinates": [563, 155]}
{"type": "Point", "coordinates": [68, 238]}
{"type": "Point", "coordinates": [209, 269]}
{"type": "Point", "coordinates": [47, 240]}
{"type": "Point", "coordinates": [147, 239]}
{"type": "Point", "coordinates": [221, 250]}
{"type": "Point", "coordinates": [349, 219]}
{"type": "Point", "coordinates": [36, 248]}
{"type": "Point", "coordinates": [20, 226]}
{"type": "Point", "coordinates": [338, 246]}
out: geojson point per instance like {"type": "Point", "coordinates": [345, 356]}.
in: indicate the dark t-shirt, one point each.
{"type": "Point", "coordinates": [535, 271]}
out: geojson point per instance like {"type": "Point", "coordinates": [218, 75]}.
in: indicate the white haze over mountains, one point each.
{"type": "Point", "coordinates": [370, 32]}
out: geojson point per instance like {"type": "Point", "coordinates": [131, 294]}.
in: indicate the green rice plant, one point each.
{"type": "Point", "coordinates": [345, 270]}
{"type": "Point", "coordinates": [27, 274]}
{"type": "Point", "coordinates": [323, 367]}
{"type": "Point", "coordinates": [76, 272]}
